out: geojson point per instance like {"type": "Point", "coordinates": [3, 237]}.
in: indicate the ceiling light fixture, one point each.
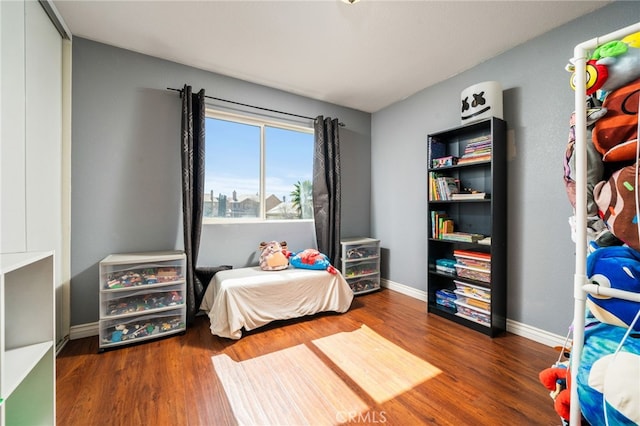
{"type": "Point", "coordinates": [351, 1]}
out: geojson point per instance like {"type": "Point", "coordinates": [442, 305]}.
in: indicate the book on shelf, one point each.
{"type": "Point", "coordinates": [447, 161]}
{"type": "Point", "coordinates": [436, 148]}
{"type": "Point", "coordinates": [469, 196]}
{"type": "Point", "coordinates": [462, 237]}
{"type": "Point", "coordinates": [479, 140]}
{"type": "Point", "coordinates": [440, 224]}
{"type": "Point", "coordinates": [477, 149]}
{"type": "Point", "coordinates": [433, 187]}
{"type": "Point", "coordinates": [442, 187]}
{"type": "Point", "coordinates": [474, 159]}
{"type": "Point", "coordinates": [447, 266]}
{"type": "Point", "coordinates": [448, 186]}
{"type": "Point", "coordinates": [472, 254]}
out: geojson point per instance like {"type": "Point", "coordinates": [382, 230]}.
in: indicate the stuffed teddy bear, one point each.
{"type": "Point", "coordinates": [312, 259]}
{"type": "Point", "coordinates": [274, 256]}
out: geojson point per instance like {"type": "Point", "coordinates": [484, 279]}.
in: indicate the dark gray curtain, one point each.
{"type": "Point", "coordinates": [326, 187]}
{"type": "Point", "coordinates": [192, 143]}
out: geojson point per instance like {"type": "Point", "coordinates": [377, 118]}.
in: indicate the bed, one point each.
{"type": "Point", "coordinates": [248, 298]}
{"type": "Point", "coordinates": [599, 347]}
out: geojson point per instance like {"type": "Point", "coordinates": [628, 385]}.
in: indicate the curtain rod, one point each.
{"type": "Point", "coordinates": [253, 106]}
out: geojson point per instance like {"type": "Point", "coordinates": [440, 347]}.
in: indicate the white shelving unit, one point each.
{"type": "Point", "coordinates": [582, 285]}
{"type": "Point", "coordinates": [142, 297]}
{"type": "Point", "coordinates": [361, 264]}
{"type": "Point", "coordinates": [27, 350]}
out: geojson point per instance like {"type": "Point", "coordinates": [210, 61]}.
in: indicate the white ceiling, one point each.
{"type": "Point", "coordinates": [366, 55]}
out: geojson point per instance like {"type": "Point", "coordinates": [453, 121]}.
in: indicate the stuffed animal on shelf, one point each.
{"type": "Point", "coordinates": [611, 65]}
{"type": "Point", "coordinates": [557, 379]}
{"type": "Point", "coordinates": [274, 256]}
{"type": "Point", "coordinates": [608, 381]}
{"type": "Point", "coordinates": [312, 259]}
{"type": "Point", "coordinates": [613, 70]}
{"type": "Point", "coordinates": [614, 267]}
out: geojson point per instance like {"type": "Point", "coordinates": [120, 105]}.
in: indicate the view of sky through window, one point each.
{"type": "Point", "coordinates": [233, 161]}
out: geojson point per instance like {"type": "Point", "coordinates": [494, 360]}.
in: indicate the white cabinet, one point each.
{"type": "Point", "coordinates": [142, 297]}
{"type": "Point", "coordinates": [361, 264]}
{"type": "Point", "coordinates": [27, 352]}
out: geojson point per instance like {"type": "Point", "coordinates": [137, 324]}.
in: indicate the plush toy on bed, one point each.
{"type": "Point", "coordinates": [311, 259]}
{"type": "Point", "coordinates": [274, 256]}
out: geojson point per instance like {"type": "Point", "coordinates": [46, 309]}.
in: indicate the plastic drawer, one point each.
{"type": "Point", "coordinates": [475, 260]}
{"type": "Point", "coordinates": [127, 276]}
{"type": "Point", "coordinates": [446, 298]}
{"type": "Point", "coordinates": [357, 269]}
{"type": "Point", "coordinates": [470, 290]}
{"type": "Point", "coordinates": [359, 285]}
{"type": "Point", "coordinates": [471, 273]}
{"type": "Point", "coordinates": [141, 301]}
{"type": "Point", "coordinates": [134, 329]}
{"type": "Point", "coordinates": [360, 251]}
{"type": "Point", "coordinates": [468, 311]}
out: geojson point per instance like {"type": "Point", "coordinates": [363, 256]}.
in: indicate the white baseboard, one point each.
{"type": "Point", "coordinates": [535, 334]}
{"type": "Point", "coordinates": [520, 329]}
{"type": "Point", "coordinates": [404, 289]}
{"type": "Point", "coordinates": [84, 330]}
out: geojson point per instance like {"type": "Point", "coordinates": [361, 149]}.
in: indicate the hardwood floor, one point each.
{"type": "Point", "coordinates": [172, 382]}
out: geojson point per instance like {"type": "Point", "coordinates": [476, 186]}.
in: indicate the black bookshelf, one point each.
{"type": "Point", "coordinates": [485, 171]}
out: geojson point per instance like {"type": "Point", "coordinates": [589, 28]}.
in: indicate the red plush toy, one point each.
{"type": "Point", "coordinates": [558, 381]}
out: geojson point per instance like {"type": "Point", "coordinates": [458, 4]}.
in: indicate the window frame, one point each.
{"type": "Point", "coordinates": [261, 122]}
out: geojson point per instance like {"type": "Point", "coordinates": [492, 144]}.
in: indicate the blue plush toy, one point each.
{"type": "Point", "coordinates": [619, 268]}
{"type": "Point", "coordinates": [311, 259]}
{"type": "Point", "coordinates": [614, 377]}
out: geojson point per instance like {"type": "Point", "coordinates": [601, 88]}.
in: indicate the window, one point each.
{"type": "Point", "coordinates": [256, 170]}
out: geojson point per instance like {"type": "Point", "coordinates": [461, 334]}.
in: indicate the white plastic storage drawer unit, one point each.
{"type": "Point", "coordinates": [142, 296]}
{"type": "Point", "coordinates": [361, 264]}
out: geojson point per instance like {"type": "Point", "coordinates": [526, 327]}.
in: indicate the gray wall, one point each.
{"type": "Point", "coordinates": [126, 194]}
{"type": "Point", "coordinates": [537, 105]}
{"type": "Point", "coordinates": [126, 167]}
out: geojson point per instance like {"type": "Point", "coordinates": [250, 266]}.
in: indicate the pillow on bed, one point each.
{"type": "Point", "coordinates": [311, 259]}
{"type": "Point", "coordinates": [274, 256]}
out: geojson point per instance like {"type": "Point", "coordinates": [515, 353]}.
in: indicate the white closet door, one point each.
{"type": "Point", "coordinates": [12, 126]}
{"type": "Point", "coordinates": [44, 149]}
{"type": "Point", "coordinates": [43, 131]}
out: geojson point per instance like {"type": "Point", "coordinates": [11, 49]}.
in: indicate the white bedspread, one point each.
{"type": "Point", "coordinates": [251, 297]}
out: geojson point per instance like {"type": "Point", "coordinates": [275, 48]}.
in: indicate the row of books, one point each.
{"type": "Point", "coordinates": [447, 188]}
{"type": "Point", "coordinates": [475, 195]}
{"type": "Point", "coordinates": [442, 228]}
{"type": "Point", "coordinates": [440, 224]}
{"type": "Point", "coordinates": [442, 187]}
{"type": "Point", "coordinates": [463, 237]}
{"type": "Point", "coordinates": [477, 149]}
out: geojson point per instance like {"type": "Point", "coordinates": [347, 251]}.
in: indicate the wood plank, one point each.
{"type": "Point", "coordinates": [172, 381]}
